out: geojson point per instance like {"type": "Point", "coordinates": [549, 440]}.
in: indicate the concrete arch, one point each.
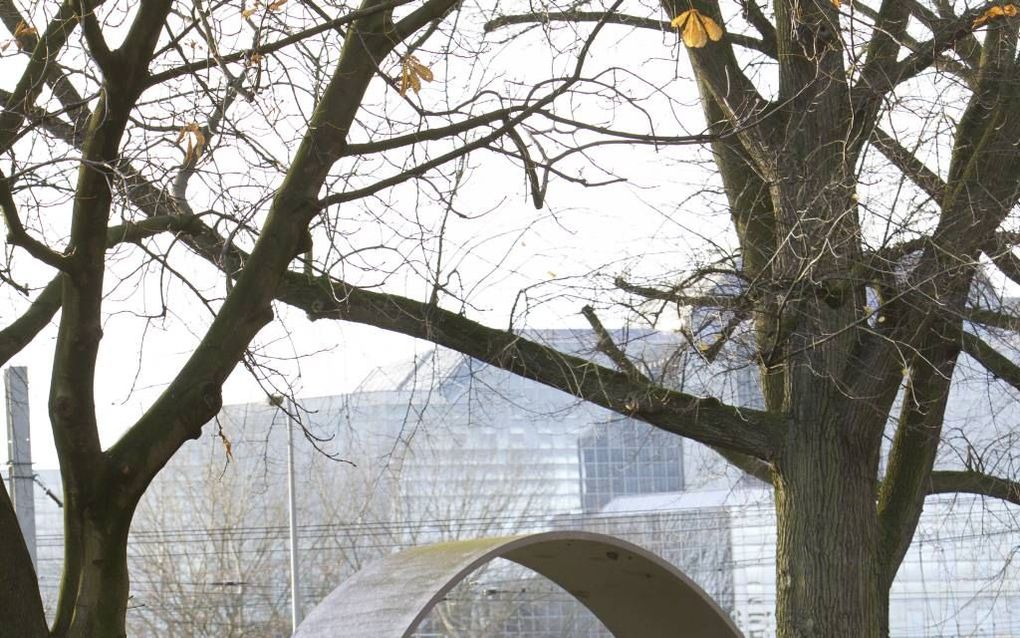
{"type": "Point", "coordinates": [633, 592]}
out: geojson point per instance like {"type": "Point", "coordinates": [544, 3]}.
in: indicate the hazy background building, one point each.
{"type": "Point", "coordinates": [443, 447]}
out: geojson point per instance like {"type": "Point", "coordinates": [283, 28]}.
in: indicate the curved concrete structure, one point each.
{"type": "Point", "coordinates": [633, 592]}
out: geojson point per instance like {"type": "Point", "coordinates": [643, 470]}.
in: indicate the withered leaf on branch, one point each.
{"type": "Point", "coordinates": [228, 447]}
{"type": "Point", "coordinates": [192, 133]}
{"type": "Point", "coordinates": [696, 28]}
{"type": "Point", "coordinates": [20, 31]}
{"type": "Point", "coordinates": [412, 72]}
{"type": "Point", "coordinates": [24, 30]}
{"type": "Point", "coordinates": [994, 13]}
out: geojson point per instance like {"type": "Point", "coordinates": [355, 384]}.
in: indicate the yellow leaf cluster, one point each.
{"type": "Point", "coordinates": [994, 13]}
{"type": "Point", "coordinates": [696, 28]}
{"type": "Point", "coordinates": [412, 72]}
{"type": "Point", "coordinates": [192, 133]}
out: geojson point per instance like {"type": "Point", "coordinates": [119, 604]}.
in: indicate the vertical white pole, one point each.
{"type": "Point", "coordinates": [295, 595]}
{"type": "Point", "coordinates": [19, 454]}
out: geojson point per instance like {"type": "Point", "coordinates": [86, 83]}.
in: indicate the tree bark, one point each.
{"type": "Point", "coordinates": [827, 559]}
{"type": "Point", "coordinates": [94, 596]}
{"type": "Point", "coordinates": [19, 589]}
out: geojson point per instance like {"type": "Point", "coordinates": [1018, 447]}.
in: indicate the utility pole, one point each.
{"type": "Point", "coordinates": [19, 454]}
{"type": "Point", "coordinates": [295, 580]}
{"type": "Point", "coordinates": [295, 586]}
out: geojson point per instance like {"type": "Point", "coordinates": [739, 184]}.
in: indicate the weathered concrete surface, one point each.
{"type": "Point", "coordinates": [633, 592]}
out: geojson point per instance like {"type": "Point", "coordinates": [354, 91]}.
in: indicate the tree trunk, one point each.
{"type": "Point", "coordinates": [827, 561]}
{"type": "Point", "coordinates": [96, 601]}
{"type": "Point", "coordinates": [19, 588]}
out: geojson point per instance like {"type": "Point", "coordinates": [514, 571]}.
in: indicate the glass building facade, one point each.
{"type": "Point", "coordinates": [625, 458]}
{"type": "Point", "coordinates": [445, 448]}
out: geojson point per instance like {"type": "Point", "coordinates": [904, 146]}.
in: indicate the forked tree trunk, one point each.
{"type": "Point", "coordinates": [827, 560]}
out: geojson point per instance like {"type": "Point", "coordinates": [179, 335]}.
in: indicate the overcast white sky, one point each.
{"type": "Point", "coordinates": [654, 217]}
{"type": "Point", "coordinates": [589, 230]}
{"type": "Point", "coordinates": [329, 357]}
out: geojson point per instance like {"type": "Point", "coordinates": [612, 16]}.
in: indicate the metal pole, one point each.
{"type": "Point", "coordinates": [19, 454]}
{"type": "Point", "coordinates": [295, 589]}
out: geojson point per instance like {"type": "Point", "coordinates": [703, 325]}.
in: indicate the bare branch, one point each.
{"type": "Point", "coordinates": [97, 43]}
{"type": "Point", "coordinates": [679, 298]}
{"type": "Point", "coordinates": [756, 17]}
{"type": "Point", "coordinates": [364, 11]}
{"type": "Point", "coordinates": [31, 83]}
{"type": "Point", "coordinates": [194, 395]}
{"type": "Point", "coordinates": [18, 236]}
{"type": "Point", "coordinates": [914, 447]}
{"type": "Point", "coordinates": [703, 419]}
{"type": "Point", "coordinates": [22, 330]}
{"type": "Point", "coordinates": [438, 133]}
{"type": "Point", "coordinates": [661, 26]}
{"type": "Point", "coordinates": [993, 319]}
{"type": "Point", "coordinates": [967, 47]}
{"type": "Point", "coordinates": [1001, 254]}
{"type": "Point", "coordinates": [908, 163]}
{"type": "Point", "coordinates": [945, 37]}
{"type": "Point", "coordinates": [608, 347]}
{"type": "Point", "coordinates": [508, 123]}
{"type": "Point", "coordinates": [971, 482]}
{"type": "Point", "coordinates": [994, 361]}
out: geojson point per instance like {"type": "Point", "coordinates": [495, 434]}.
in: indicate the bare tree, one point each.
{"type": "Point", "coordinates": [853, 295]}
{"type": "Point", "coordinates": [99, 93]}
{"type": "Point", "coordinates": [209, 551]}
{"type": "Point", "coordinates": [208, 556]}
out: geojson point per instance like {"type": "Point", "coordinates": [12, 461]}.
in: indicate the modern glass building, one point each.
{"type": "Point", "coordinates": [444, 447]}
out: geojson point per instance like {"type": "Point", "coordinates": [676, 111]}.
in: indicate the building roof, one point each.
{"type": "Point", "coordinates": [686, 500]}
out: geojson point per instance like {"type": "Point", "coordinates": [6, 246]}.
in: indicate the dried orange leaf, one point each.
{"type": "Point", "coordinates": [994, 13]}
{"type": "Point", "coordinates": [423, 72]}
{"type": "Point", "coordinates": [23, 29]}
{"type": "Point", "coordinates": [715, 32]}
{"type": "Point", "coordinates": [837, 3]}
{"type": "Point", "coordinates": [412, 72]}
{"type": "Point", "coordinates": [276, 5]}
{"type": "Point", "coordinates": [694, 34]}
{"type": "Point", "coordinates": [991, 14]}
{"type": "Point", "coordinates": [696, 29]}
{"type": "Point", "coordinates": [195, 138]}
{"type": "Point", "coordinates": [227, 446]}
{"type": "Point", "coordinates": [405, 82]}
